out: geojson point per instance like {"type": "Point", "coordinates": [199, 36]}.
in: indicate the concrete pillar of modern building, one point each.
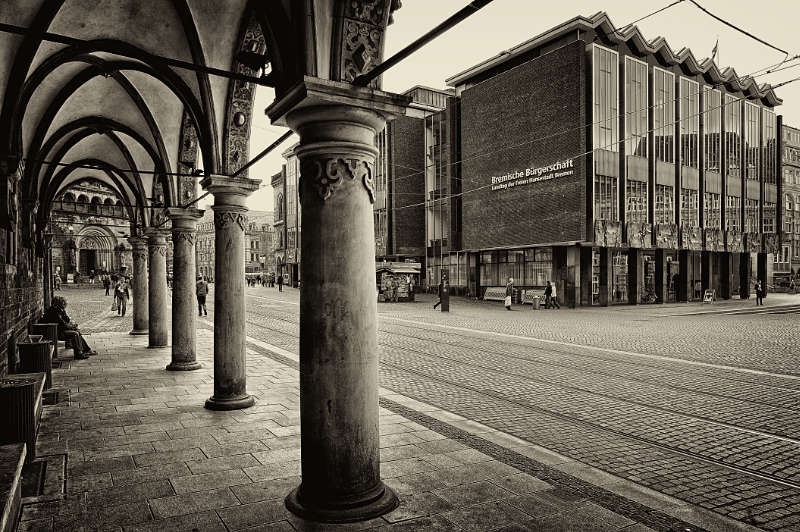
{"type": "Point", "coordinates": [230, 357]}
{"type": "Point", "coordinates": [572, 279]}
{"type": "Point", "coordinates": [587, 270]}
{"type": "Point", "coordinates": [725, 273]}
{"type": "Point", "coordinates": [141, 316]}
{"type": "Point", "coordinates": [606, 288]}
{"type": "Point", "coordinates": [744, 275]}
{"type": "Point", "coordinates": [157, 288]}
{"type": "Point", "coordinates": [761, 264]}
{"type": "Point", "coordinates": [661, 281]}
{"type": "Point", "coordinates": [683, 290]}
{"type": "Point", "coordinates": [338, 309]}
{"type": "Point", "coordinates": [707, 270]}
{"type": "Point", "coordinates": [635, 276]}
{"type": "Point", "coordinates": [184, 335]}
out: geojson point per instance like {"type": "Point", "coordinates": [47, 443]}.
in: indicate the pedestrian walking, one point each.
{"type": "Point", "coordinates": [57, 281]}
{"type": "Point", "coordinates": [759, 293]}
{"type": "Point", "coordinates": [548, 294]}
{"type": "Point", "coordinates": [792, 286]}
{"type": "Point", "coordinates": [201, 291]}
{"type": "Point", "coordinates": [122, 295]}
{"type": "Point", "coordinates": [395, 286]}
{"type": "Point", "coordinates": [554, 297]}
{"type": "Point", "coordinates": [280, 283]}
{"type": "Point", "coordinates": [106, 283]}
{"type": "Point", "coordinates": [441, 289]}
{"type": "Point", "coordinates": [115, 304]}
{"type": "Point", "coordinates": [509, 292]}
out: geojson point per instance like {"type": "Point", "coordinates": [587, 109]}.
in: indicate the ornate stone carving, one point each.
{"type": "Point", "coordinates": [639, 235]}
{"type": "Point", "coordinates": [607, 233]}
{"type": "Point", "coordinates": [666, 236]}
{"type": "Point", "coordinates": [186, 236]}
{"type": "Point", "coordinates": [714, 240]}
{"type": "Point", "coordinates": [327, 174]}
{"type": "Point", "coordinates": [161, 249]}
{"type": "Point", "coordinates": [734, 241]}
{"type": "Point", "coordinates": [752, 242]}
{"type": "Point", "coordinates": [691, 238]}
{"type": "Point", "coordinates": [371, 11]}
{"type": "Point", "coordinates": [139, 255]}
{"type": "Point", "coordinates": [772, 243]}
{"type": "Point", "coordinates": [363, 26]}
{"type": "Point", "coordinates": [223, 218]}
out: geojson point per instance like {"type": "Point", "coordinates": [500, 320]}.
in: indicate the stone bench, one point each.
{"type": "Point", "coordinates": [12, 458]}
{"type": "Point", "coordinates": [21, 397]}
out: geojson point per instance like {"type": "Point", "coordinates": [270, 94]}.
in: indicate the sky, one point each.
{"type": "Point", "coordinates": [506, 23]}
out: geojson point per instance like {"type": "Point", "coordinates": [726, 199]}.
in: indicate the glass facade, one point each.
{"type": "Point", "coordinates": [769, 217]}
{"type": "Point", "coordinates": [636, 202]}
{"type": "Point", "coordinates": [751, 216]}
{"type": "Point", "coordinates": [712, 211]}
{"type": "Point", "coordinates": [664, 205]}
{"type": "Point", "coordinates": [636, 107]}
{"type": "Point", "coordinates": [664, 115]}
{"type": "Point", "coordinates": [733, 213]}
{"type": "Point", "coordinates": [733, 130]}
{"type": "Point", "coordinates": [690, 122]}
{"type": "Point", "coordinates": [751, 140]}
{"type": "Point", "coordinates": [605, 100]}
{"type": "Point", "coordinates": [769, 147]}
{"type": "Point", "coordinates": [690, 208]}
{"type": "Point", "coordinates": [712, 128]}
{"type": "Point", "coordinates": [528, 267]}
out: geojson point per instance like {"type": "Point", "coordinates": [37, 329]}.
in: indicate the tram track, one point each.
{"type": "Point", "coordinates": [483, 368]}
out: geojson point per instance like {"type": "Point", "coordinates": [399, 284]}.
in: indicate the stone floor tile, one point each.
{"type": "Point", "coordinates": [469, 456]}
{"type": "Point", "coordinates": [283, 442]}
{"type": "Point", "coordinates": [222, 463]}
{"type": "Point", "coordinates": [441, 461]}
{"type": "Point", "coordinates": [441, 446]}
{"type": "Point", "coordinates": [129, 449]}
{"type": "Point", "coordinates": [248, 515]}
{"type": "Point", "coordinates": [414, 484]}
{"type": "Point", "coordinates": [209, 481]}
{"type": "Point", "coordinates": [435, 523]}
{"type": "Point", "coordinates": [538, 506]}
{"type": "Point", "coordinates": [473, 493]}
{"type": "Point", "coordinates": [460, 475]}
{"type": "Point", "coordinates": [105, 517]}
{"type": "Point", "coordinates": [37, 525]}
{"type": "Point", "coordinates": [420, 505]}
{"type": "Point", "coordinates": [182, 443]}
{"type": "Point", "coordinates": [197, 522]}
{"type": "Point", "coordinates": [250, 435]}
{"type": "Point", "coordinates": [78, 484]}
{"type": "Point", "coordinates": [405, 466]}
{"type": "Point", "coordinates": [389, 454]}
{"type": "Point", "coordinates": [277, 455]}
{"type": "Point", "coordinates": [103, 465]}
{"type": "Point", "coordinates": [487, 516]}
{"type": "Point", "coordinates": [585, 516]}
{"type": "Point", "coordinates": [406, 438]}
{"type": "Point", "coordinates": [264, 490]}
{"type": "Point", "coordinates": [522, 483]}
{"type": "Point", "coordinates": [131, 493]}
{"type": "Point", "coordinates": [271, 471]}
{"type": "Point", "coordinates": [280, 526]}
{"type": "Point", "coordinates": [215, 450]}
{"type": "Point", "coordinates": [181, 455]}
{"type": "Point", "coordinates": [189, 503]}
{"type": "Point", "coordinates": [144, 474]}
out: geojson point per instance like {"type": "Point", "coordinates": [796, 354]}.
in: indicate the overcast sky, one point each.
{"type": "Point", "coordinates": [505, 23]}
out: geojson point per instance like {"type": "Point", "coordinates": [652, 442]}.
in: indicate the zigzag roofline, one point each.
{"type": "Point", "coordinates": [631, 35]}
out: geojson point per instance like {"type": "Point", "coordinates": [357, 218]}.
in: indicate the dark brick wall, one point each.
{"type": "Point", "coordinates": [407, 160]}
{"type": "Point", "coordinates": [544, 97]}
{"type": "Point", "coordinates": [21, 297]}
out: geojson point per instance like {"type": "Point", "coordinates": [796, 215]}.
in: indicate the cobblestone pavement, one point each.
{"type": "Point", "coordinates": [700, 407]}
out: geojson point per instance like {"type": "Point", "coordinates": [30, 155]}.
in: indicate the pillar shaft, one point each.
{"type": "Point", "coordinates": [606, 294]}
{"type": "Point", "coordinates": [141, 316]}
{"type": "Point", "coordinates": [230, 360]}
{"type": "Point", "coordinates": [157, 289]}
{"type": "Point", "coordinates": [47, 275]}
{"type": "Point", "coordinates": [184, 335]}
{"type": "Point", "coordinates": [338, 318]}
{"type": "Point", "coordinates": [662, 282]}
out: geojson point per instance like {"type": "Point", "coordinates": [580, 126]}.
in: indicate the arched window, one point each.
{"type": "Point", "coordinates": [279, 208]}
{"type": "Point", "coordinates": [94, 205]}
{"type": "Point", "coordinates": [83, 203]}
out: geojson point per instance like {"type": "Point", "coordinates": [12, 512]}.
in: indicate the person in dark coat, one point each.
{"type": "Point", "coordinates": [548, 294]}
{"type": "Point", "coordinates": [106, 283]}
{"type": "Point", "coordinates": [759, 293]}
{"type": "Point", "coordinates": [280, 283]}
{"type": "Point", "coordinates": [509, 292]}
{"type": "Point", "coordinates": [67, 330]}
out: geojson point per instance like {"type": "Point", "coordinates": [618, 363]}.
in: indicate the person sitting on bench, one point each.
{"type": "Point", "coordinates": [67, 330]}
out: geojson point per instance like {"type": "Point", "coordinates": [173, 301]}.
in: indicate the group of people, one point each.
{"type": "Point", "coordinates": [550, 294]}
{"type": "Point", "coordinates": [266, 280]}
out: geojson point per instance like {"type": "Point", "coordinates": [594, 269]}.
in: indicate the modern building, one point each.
{"type": "Point", "coordinates": [285, 186]}
{"type": "Point", "coordinates": [258, 243]}
{"type": "Point", "coordinates": [787, 260]}
{"type": "Point", "coordinates": [614, 166]}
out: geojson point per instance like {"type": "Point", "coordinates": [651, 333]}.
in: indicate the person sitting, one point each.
{"type": "Point", "coordinates": [67, 330]}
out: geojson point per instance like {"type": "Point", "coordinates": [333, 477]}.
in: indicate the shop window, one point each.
{"type": "Point", "coordinates": [712, 128]}
{"type": "Point", "coordinates": [733, 213]}
{"type": "Point", "coordinates": [733, 130]}
{"type": "Point", "coordinates": [605, 197]}
{"type": "Point", "coordinates": [689, 208]}
{"type": "Point", "coordinates": [664, 115]}
{"type": "Point", "coordinates": [690, 122]}
{"type": "Point", "coordinates": [712, 212]}
{"type": "Point", "coordinates": [664, 205]}
{"type": "Point", "coordinates": [750, 216]}
{"type": "Point", "coordinates": [636, 202]}
{"type": "Point", "coordinates": [769, 217]}
{"type": "Point", "coordinates": [619, 276]}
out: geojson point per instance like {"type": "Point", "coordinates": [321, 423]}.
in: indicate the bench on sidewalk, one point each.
{"type": "Point", "coordinates": [495, 293]}
{"type": "Point", "coordinates": [12, 458]}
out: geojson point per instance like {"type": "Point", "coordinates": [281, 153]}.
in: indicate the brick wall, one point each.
{"type": "Point", "coordinates": [544, 97]}
{"type": "Point", "coordinates": [407, 159]}
{"type": "Point", "coordinates": [21, 297]}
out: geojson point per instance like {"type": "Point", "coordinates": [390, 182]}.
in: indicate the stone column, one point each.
{"type": "Point", "coordinates": [157, 288]}
{"type": "Point", "coordinates": [230, 361]}
{"type": "Point", "coordinates": [47, 271]}
{"type": "Point", "coordinates": [141, 316]}
{"type": "Point", "coordinates": [338, 317]}
{"type": "Point", "coordinates": [184, 304]}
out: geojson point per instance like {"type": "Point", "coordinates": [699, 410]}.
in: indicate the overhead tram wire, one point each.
{"type": "Point", "coordinates": [584, 154]}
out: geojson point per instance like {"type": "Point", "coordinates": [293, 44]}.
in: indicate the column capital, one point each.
{"type": "Point", "coordinates": [183, 219]}
{"type": "Point", "coordinates": [138, 242]}
{"type": "Point", "coordinates": [156, 237]}
{"type": "Point", "coordinates": [229, 191]}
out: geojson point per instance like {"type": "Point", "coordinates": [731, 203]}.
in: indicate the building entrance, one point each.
{"type": "Point", "coordinates": [88, 261]}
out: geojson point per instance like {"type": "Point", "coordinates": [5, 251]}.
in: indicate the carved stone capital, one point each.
{"type": "Point", "coordinates": [228, 218]}
{"type": "Point", "coordinates": [183, 236]}
{"type": "Point", "coordinates": [324, 175]}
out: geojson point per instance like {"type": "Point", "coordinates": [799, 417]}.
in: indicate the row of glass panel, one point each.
{"type": "Point", "coordinates": [759, 138]}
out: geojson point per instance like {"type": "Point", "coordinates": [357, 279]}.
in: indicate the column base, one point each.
{"type": "Point", "coordinates": [384, 503]}
{"type": "Point", "coordinates": [157, 346]}
{"type": "Point", "coordinates": [139, 332]}
{"type": "Point", "coordinates": [233, 403]}
{"type": "Point", "coordinates": [183, 366]}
